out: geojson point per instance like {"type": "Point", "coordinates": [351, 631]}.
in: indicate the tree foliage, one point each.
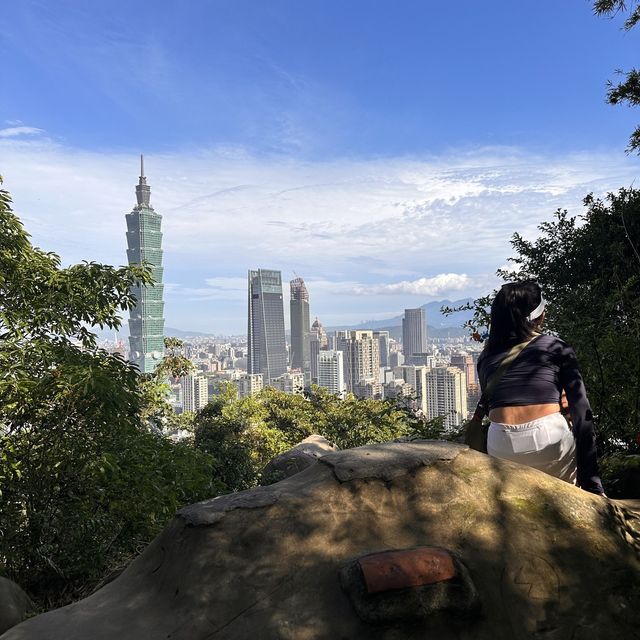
{"type": "Point", "coordinates": [244, 434]}
{"type": "Point", "coordinates": [627, 91]}
{"type": "Point", "coordinates": [83, 481]}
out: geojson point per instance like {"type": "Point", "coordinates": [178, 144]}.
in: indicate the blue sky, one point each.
{"type": "Point", "coordinates": [384, 151]}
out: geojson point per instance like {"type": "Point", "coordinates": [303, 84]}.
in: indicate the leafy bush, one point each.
{"type": "Point", "coordinates": [244, 434]}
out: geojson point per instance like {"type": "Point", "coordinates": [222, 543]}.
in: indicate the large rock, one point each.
{"type": "Point", "coordinates": [15, 604]}
{"type": "Point", "coordinates": [297, 459]}
{"type": "Point", "coordinates": [490, 549]}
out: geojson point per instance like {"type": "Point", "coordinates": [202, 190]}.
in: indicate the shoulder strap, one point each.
{"type": "Point", "coordinates": [483, 404]}
{"type": "Point", "coordinates": [514, 352]}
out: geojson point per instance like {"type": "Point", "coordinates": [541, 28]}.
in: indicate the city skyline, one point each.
{"type": "Point", "coordinates": [363, 166]}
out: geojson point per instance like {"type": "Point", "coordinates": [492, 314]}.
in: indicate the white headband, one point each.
{"type": "Point", "coordinates": [538, 311]}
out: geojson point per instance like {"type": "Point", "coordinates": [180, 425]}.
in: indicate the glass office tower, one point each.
{"type": "Point", "coordinates": [300, 330]}
{"type": "Point", "coordinates": [144, 242]}
{"type": "Point", "coordinates": [267, 352]}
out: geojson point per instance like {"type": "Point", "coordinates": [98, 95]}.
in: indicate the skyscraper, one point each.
{"type": "Point", "coordinates": [267, 350]}
{"type": "Point", "coordinates": [300, 331]}
{"type": "Point", "coordinates": [144, 245]}
{"type": "Point", "coordinates": [414, 332]}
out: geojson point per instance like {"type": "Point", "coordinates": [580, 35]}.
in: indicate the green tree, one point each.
{"type": "Point", "coordinates": [156, 411]}
{"type": "Point", "coordinates": [627, 91]}
{"type": "Point", "coordinates": [83, 481]}
{"type": "Point", "coordinates": [244, 434]}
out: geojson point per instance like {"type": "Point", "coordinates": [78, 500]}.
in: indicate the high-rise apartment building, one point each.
{"type": "Point", "coordinates": [267, 350]}
{"type": "Point", "coordinates": [195, 392]}
{"type": "Point", "coordinates": [314, 351]}
{"type": "Point", "coordinates": [144, 246]}
{"type": "Point", "coordinates": [318, 342]}
{"type": "Point", "coordinates": [318, 329]}
{"type": "Point", "coordinates": [361, 359]}
{"type": "Point", "coordinates": [292, 382]}
{"type": "Point", "coordinates": [414, 332]}
{"type": "Point", "coordinates": [416, 377]}
{"type": "Point", "coordinates": [249, 384]}
{"type": "Point", "coordinates": [447, 395]}
{"type": "Point", "coordinates": [383, 339]}
{"type": "Point", "coordinates": [331, 372]}
{"type": "Point", "coordinates": [466, 363]}
{"type": "Point", "coordinates": [396, 359]}
{"type": "Point", "coordinates": [300, 330]}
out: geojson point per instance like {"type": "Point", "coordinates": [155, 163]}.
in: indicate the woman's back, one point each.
{"type": "Point", "coordinates": [536, 376]}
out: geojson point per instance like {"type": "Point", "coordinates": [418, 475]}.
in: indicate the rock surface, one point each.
{"type": "Point", "coordinates": [297, 459]}
{"type": "Point", "coordinates": [547, 560]}
{"type": "Point", "coordinates": [15, 604]}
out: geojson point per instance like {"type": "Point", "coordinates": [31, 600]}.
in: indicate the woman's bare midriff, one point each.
{"type": "Point", "coordinates": [520, 415]}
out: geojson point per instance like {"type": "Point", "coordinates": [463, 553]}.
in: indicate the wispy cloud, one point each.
{"type": "Point", "coordinates": [368, 235]}
{"type": "Point", "coordinates": [14, 132]}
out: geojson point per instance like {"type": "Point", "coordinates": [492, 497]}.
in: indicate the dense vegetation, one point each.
{"type": "Point", "coordinates": [243, 434]}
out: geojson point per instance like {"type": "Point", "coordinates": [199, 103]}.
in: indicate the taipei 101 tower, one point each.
{"type": "Point", "coordinates": [144, 242]}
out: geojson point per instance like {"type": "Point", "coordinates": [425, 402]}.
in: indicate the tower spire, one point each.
{"type": "Point", "coordinates": [143, 190]}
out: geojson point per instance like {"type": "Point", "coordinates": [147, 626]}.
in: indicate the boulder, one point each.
{"type": "Point", "coordinates": [470, 546]}
{"type": "Point", "coordinates": [296, 459]}
{"type": "Point", "coordinates": [15, 604]}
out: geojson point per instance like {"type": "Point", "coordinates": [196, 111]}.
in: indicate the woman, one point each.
{"type": "Point", "coordinates": [524, 400]}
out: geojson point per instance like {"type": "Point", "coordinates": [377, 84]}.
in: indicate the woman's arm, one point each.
{"type": "Point", "coordinates": [582, 420]}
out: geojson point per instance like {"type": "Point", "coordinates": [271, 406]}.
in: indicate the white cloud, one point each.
{"type": "Point", "coordinates": [387, 228]}
{"type": "Point", "coordinates": [14, 132]}
{"type": "Point", "coordinates": [442, 284]}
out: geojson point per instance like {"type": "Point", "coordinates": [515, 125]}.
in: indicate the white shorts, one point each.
{"type": "Point", "coordinates": [546, 444]}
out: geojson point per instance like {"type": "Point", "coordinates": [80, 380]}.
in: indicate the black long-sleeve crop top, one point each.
{"type": "Point", "coordinates": [538, 375]}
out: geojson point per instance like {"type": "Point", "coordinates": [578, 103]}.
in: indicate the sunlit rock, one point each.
{"type": "Point", "coordinates": [539, 557]}
{"type": "Point", "coordinates": [297, 459]}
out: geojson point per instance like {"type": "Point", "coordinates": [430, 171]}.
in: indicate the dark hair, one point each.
{"type": "Point", "coordinates": [509, 314]}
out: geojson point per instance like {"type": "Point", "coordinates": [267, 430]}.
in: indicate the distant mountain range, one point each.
{"type": "Point", "coordinates": [169, 332]}
{"type": "Point", "coordinates": [438, 325]}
